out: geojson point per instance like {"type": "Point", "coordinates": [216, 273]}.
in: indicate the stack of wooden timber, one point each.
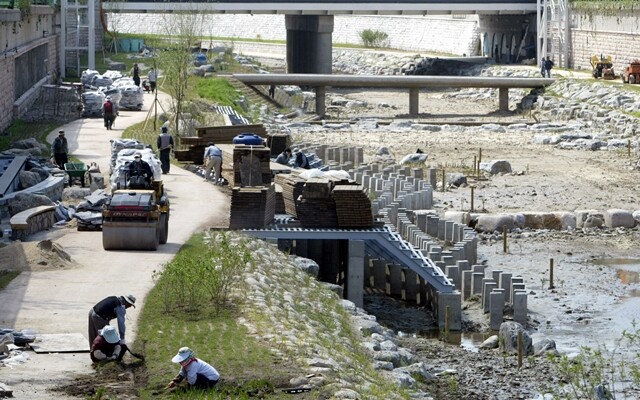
{"type": "Point", "coordinates": [251, 166]}
{"type": "Point", "coordinates": [292, 186]}
{"type": "Point", "coordinates": [315, 208]}
{"type": "Point", "coordinates": [216, 134]}
{"type": "Point", "coordinates": [353, 206]}
{"type": "Point", "coordinates": [334, 204]}
{"type": "Point", "coordinates": [252, 207]}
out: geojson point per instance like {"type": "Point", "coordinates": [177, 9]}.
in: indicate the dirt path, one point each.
{"type": "Point", "coordinates": [53, 300]}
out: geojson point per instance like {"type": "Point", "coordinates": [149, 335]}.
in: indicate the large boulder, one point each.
{"type": "Point", "coordinates": [460, 217]}
{"type": "Point", "coordinates": [25, 201]}
{"type": "Point", "coordinates": [508, 338]}
{"type": "Point", "coordinates": [616, 218]}
{"type": "Point", "coordinates": [28, 179]}
{"type": "Point", "coordinates": [548, 220]}
{"type": "Point", "coordinates": [494, 222]}
{"type": "Point", "coordinates": [582, 215]}
{"type": "Point", "coordinates": [495, 167]}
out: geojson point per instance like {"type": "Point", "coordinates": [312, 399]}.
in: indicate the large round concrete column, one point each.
{"type": "Point", "coordinates": [309, 44]}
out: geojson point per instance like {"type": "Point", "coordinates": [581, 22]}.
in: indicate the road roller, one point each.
{"type": "Point", "coordinates": [136, 218]}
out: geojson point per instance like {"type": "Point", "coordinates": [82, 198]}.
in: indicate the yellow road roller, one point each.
{"type": "Point", "coordinates": [136, 218]}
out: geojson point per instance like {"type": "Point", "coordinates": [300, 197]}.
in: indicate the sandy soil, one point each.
{"type": "Point", "coordinates": [596, 272]}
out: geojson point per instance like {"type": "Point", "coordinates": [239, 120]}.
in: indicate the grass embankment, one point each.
{"type": "Point", "coordinates": [6, 277]}
{"type": "Point", "coordinates": [254, 338]}
{"type": "Point", "coordinates": [190, 306]}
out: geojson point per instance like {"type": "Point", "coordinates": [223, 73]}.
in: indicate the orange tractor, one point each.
{"type": "Point", "coordinates": [631, 73]}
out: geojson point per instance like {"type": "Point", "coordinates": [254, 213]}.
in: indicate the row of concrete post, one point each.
{"type": "Point", "coordinates": [404, 199]}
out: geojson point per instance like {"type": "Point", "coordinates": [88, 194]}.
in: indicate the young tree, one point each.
{"type": "Point", "coordinates": [176, 58]}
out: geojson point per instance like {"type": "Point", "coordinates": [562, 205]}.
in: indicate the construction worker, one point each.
{"type": "Point", "coordinates": [140, 172]}
{"type": "Point", "coordinates": [199, 374]}
{"type": "Point", "coordinates": [108, 113]}
{"type": "Point", "coordinates": [106, 346]}
{"type": "Point", "coordinates": [284, 157]}
{"type": "Point", "coordinates": [165, 144]}
{"type": "Point", "coordinates": [213, 160]}
{"type": "Point", "coordinates": [60, 150]}
{"type": "Point", "coordinates": [152, 76]}
{"type": "Point", "coordinates": [107, 309]}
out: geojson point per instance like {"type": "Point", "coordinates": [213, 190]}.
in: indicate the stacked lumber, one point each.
{"type": "Point", "coordinates": [222, 134]}
{"type": "Point", "coordinates": [280, 208]}
{"type": "Point", "coordinates": [278, 142]}
{"type": "Point", "coordinates": [353, 206]}
{"type": "Point", "coordinates": [292, 186]}
{"type": "Point", "coordinates": [216, 134]}
{"type": "Point", "coordinates": [315, 207]}
{"type": "Point", "coordinates": [252, 207]}
{"type": "Point", "coordinates": [251, 166]}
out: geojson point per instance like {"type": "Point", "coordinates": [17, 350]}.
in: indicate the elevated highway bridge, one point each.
{"type": "Point", "coordinates": [505, 26]}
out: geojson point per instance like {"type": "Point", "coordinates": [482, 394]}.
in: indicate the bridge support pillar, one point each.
{"type": "Point", "coordinates": [503, 99]}
{"type": "Point", "coordinates": [355, 273]}
{"type": "Point", "coordinates": [414, 104]}
{"type": "Point", "coordinates": [321, 98]}
{"type": "Point", "coordinates": [453, 303]}
{"type": "Point", "coordinates": [309, 39]}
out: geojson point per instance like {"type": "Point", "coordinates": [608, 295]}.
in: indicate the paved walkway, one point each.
{"type": "Point", "coordinates": [58, 301]}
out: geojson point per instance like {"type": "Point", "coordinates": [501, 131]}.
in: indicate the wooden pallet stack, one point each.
{"type": "Point", "coordinates": [216, 134]}
{"type": "Point", "coordinates": [252, 207]}
{"type": "Point", "coordinates": [353, 206]}
{"type": "Point", "coordinates": [291, 185]}
{"type": "Point", "coordinates": [250, 165]}
{"type": "Point", "coordinates": [315, 207]}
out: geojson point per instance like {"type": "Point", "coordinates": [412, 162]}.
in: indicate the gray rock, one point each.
{"type": "Point", "coordinates": [307, 265]}
{"type": "Point", "coordinates": [456, 179]}
{"type": "Point", "coordinates": [28, 179]}
{"type": "Point", "coordinates": [495, 167]}
{"type": "Point", "coordinates": [491, 343]}
{"type": "Point", "coordinates": [544, 346]}
{"type": "Point", "coordinates": [346, 394]}
{"type": "Point", "coordinates": [615, 218]}
{"type": "Point", "coordinates": [25, 201]}
{"type": "Point", "coordinates": [494, 222]}
{"type": "Point", "coordinates": [508, 335]}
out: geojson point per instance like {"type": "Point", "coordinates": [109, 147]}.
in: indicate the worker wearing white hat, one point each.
{"type": "Point", "coordinates": [199, 373]}
{"type": "Point", "coordinates": [106, 346]}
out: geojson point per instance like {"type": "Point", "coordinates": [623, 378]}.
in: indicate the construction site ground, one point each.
{"type": "Point", "coordinates": [596, 272]}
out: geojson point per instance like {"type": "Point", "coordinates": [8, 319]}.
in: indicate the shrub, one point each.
{"type": "Point", "coordinates": [371, 38]}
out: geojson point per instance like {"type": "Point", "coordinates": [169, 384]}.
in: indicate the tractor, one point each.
{"type": "Point", "coordinates": [602, 67]}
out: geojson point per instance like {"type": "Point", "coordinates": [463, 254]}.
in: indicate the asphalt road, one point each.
{"type": "Point", "coordinates": [58, 301]}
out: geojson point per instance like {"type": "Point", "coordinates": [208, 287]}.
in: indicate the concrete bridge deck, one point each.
{"type": "Point", "coordinates": [412, 82]}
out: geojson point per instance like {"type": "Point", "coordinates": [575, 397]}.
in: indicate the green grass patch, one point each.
{"type": "Point", "coordinates": [247, 367]}
{"type": "Point", "coordinates": [218, 90]}
{"type": "Point", "coordinates": [6, 277]}
{"type": "Point", "coordinates": [20, 130]}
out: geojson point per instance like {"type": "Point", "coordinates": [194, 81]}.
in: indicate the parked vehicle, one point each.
{"type": "Point", "coordinates": [631, 73]}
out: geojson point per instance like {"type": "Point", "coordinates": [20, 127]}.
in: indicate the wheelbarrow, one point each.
{"type": "Point", "coordinates": [76, 170]}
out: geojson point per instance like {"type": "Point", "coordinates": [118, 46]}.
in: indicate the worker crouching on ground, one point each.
{"type": "Point", "coordinates": [106, 346]}
{"type": "Point", "coordinates": [107, 309]}
{"type": "Point", "coordinates": [198, 373]}
{"type": "Point", "coordinates": [301, 161]}
{"type": "Point", "coordinates": [284, 157]}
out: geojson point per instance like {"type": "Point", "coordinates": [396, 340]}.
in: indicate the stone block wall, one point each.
{"type": "Point", "coordinates": [20, 36]}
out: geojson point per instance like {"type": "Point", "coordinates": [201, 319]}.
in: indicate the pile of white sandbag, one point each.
{"type": "Point", "coordinates": [92, 103]}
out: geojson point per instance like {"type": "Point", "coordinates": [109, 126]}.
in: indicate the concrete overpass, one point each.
{"type": "Point", "coordinates": [413, 83]}
{"type": "Point", "coordinates": [310, 24]}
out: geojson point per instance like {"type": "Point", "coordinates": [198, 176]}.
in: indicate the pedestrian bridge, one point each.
{"type": "Point", "coordinates": [383, 244]}
{"type": "Point", "coordinates": [413, 83]}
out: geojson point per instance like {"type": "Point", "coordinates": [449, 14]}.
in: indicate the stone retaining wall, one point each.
{"type": "Point", "coordinates": [31, 221]}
